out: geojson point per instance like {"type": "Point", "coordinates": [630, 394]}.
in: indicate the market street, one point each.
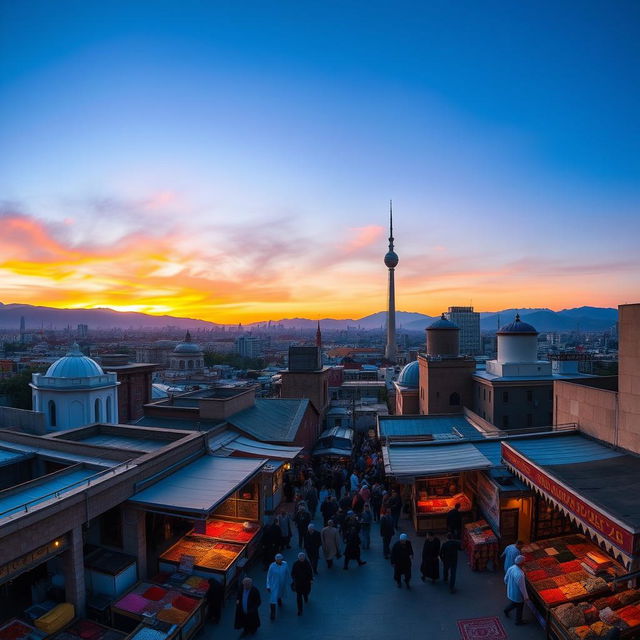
{"type": "Point", "coordinates": [364, 602]}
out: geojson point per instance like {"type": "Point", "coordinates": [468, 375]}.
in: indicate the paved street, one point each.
{"type": "Point", "coordinates": [364, 602]}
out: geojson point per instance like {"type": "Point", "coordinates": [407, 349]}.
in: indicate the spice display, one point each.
{"type": "Point", "coordinates": [207, 552]}
{"type": "Point", "coordinates": [232, 531]}
{"type": "Point", "coordinates": [444, 504]}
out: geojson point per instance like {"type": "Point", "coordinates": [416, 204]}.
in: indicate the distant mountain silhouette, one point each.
{"type": "Point", "coordinates": [581, 318]}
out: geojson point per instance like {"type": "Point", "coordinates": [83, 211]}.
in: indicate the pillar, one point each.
{"type": "Point", "coordinates": [134, 537]}
{"type": "Point", "coordinates": [73, 568]}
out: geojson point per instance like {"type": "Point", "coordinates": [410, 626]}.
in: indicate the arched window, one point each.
{"type": "Point", "coordinates": [109, 416]}
{"type": "Point", "coordinates": [190, 366]}
{"type": "Point", "coordinates": [454, 399]}
{"type": "Point", "coordinates": [98, 410]}
{"type": "Point", "coordinates": [52, 414]}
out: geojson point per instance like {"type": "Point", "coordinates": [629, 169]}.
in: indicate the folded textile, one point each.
{"type": "Point", "coordinates": [551, 596]}
{"type": "Point", "coordinates": [570, 615]}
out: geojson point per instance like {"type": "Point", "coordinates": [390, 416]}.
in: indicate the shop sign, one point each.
{"type": "Point", "coordinates": [489, 501]}
{"type": "Point", "coordinates": [615, 533]}
{"type": "Point", "coordinates": [32, 559]}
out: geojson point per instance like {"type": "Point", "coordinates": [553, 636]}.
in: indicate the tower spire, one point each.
{"type": "Point", "coordinates": [391, 262]}
{"type": "Point", "coordinates": [318, 336]}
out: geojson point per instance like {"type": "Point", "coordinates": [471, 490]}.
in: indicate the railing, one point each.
{"type": "Point", "coordinates": [57, 494]}
{"type": "Point", "coordinates": [555, 428]}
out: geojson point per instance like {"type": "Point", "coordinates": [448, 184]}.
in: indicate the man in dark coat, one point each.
{"type": "Point", "coordinates": [301, 577]}
{"type": "Point", "coordinates": [401, 559]}
{"type": "Point", "coordinates": [312, 544]}
{"type": "Point", "coordinates": [271, 537]}
{"type": "Point", "coordinates": [215, 599]}
{"type": "Point", "coordinates": [449, 557]}
{"type": "Point", "coordinates": [302, 520]}
{"type": "Point", "coordinates": [328, 509]}
{"type": "Point", "coordinates": [387, 531]}
{"type": "Point", "coordinates": [430, 566]}
{"type": "Point", "coordinates": [395, 507]}
{"type": "Point", "coordinates": [454, 522]}
{"type": "Point", "coordinates": [352, 548]}
{"type": "Point", "coordinates": [247, 605]}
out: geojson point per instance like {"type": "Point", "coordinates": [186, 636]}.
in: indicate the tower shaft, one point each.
{"type": "Point", "coordinates": [390, 351]}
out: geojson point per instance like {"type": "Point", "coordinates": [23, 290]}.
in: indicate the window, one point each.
{"type": "Point", "coordinates": [529, 420]}
{"type": "Point", "coordinates": [529, 396]}
{"type": "Point", "coordinates": [505, 397]}
{"type": "Point", "coordinates": [97, 410]}
{"type": "Point", "coordinates": [484, 394]}
{"type": "Point", "coordinates": [190, 365]}
{"type": "Point", "coordinates": [109, 416]}
{"type": "Point", "coordinates": [454, 399]}
{"type": "Point", "coordinates": [52, 414]}
{"type": "Point", "coordinates": [505, 422]}
{"type": "Point", "coordinates": [489, 395]}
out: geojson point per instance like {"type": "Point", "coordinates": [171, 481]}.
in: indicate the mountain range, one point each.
{"type": "Point", "coordinates": [36, 317]}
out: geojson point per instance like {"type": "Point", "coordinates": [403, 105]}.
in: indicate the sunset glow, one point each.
{"type": "Point", "coordinates": [236, 166]}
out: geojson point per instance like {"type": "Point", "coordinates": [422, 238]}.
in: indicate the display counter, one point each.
{"type": "Point", "coordinates": [481, 545]}
{"type": "Point", "coordinates": [195, 586]}
{"type": "Point", "coordinates": [19, 630]}
{"type": "Point", "coordinates": [211, 558]}
{"type": "Point", "coordinates": [151, 603]}
{"type": "Point", "coordinates": [87, 630]}
{"type": "Point", "coordinates": [227, 531]}
{"type": "Point", "coordinates": [109, 572]}
{"type": "Point", "coordinates": [595, 618]}
{"type": "Point", "coordinates": [430, 509]}
{"type": "Point", "coordinates": [558, 570]}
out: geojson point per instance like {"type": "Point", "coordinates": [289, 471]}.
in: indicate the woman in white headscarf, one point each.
{"type": "Point", "coordinates": [277, 581]}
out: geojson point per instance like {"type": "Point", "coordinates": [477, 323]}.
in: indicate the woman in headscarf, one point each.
{"type": "Point", "coordinates": [302, 577]}
{"type": "Point", "coordinates": [277, 581]}
{"type": "Point", "coordinates": [401, 559]}
{"type": "Point", "coordinates": [430, 567]}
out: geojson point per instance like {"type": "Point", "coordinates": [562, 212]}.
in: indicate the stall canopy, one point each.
{"type": "Point", "coordinates": [248, 447]}
{"type": "Point", "coordinates": [595, 486]}
{"type": "Point", "coordinates": [432, 459]}
{"type": "Point", "coordinates": [200, 486]}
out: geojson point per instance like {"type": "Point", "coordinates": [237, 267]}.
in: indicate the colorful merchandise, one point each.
{"type": "Point", "coordinates": [16, 630]}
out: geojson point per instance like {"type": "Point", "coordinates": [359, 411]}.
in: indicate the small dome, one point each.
{"type": "Point", "coordinates": [74, 365]}
{"type": "Point", "coordinates": [443, 323]}
{"type": "Point", "coordinates": [187, 346]}
{"type": "Point", "coordinates": [518, 327]}
{"type": "Point", "coordinates": [410, 375]}
{"type": "Point", "coordinates": [391, 259]}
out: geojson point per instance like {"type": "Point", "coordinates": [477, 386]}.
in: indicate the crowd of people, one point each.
{"type": "Point", "coordinates": [349, 499]}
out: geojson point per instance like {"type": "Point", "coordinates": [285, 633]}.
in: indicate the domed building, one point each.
{"type": "Point", "coordinates": [74, 392]}
{"type": "Point", "coordinates": [407, 386]}
{"type": "Point", "coordinates": [187, 357]}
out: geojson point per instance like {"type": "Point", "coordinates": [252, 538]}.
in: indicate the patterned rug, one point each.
{"type": "Point", "coordinates": [482, 629]}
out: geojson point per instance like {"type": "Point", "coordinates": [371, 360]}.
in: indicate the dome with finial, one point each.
{"type": "Point", "coordinates": [443, 323]}
{"type": "Point", "coordinates": [74, 365]}
{"type": "Point", "coordinates": [518, 327]}
{"type": "Point", "coordinates": [187, 346]}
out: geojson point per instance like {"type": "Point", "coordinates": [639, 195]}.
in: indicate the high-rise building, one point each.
{"type": "Point", "coordinates": [83, 330]}
{"type": "Point", "coordinates": [249, 346]}
{"type": "Point", "coordinates": [468, 322]}
{"type": "Point", "coordinates": [391, 262]}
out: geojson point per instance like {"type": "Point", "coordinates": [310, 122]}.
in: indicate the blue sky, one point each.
{"type": "Point", "coordinates": [506, 133]}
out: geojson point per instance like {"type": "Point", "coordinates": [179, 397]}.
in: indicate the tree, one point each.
{"type": "Point", "coordinates": [233, 360]}
{"type": "Point", "coordinates": [17, 389]}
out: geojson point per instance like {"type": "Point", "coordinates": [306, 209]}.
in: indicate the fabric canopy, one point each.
{"type": "Point", "coordinates": [200, 486]}
{"type": "Point", "coordinates": [432, 459]}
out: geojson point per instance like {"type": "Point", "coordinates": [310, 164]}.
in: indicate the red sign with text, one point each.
{"type": "Point", "coordinates": [612, 531]}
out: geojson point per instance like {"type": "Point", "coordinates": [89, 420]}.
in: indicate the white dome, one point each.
{"type": "Point", "coordinates": [74, 365]}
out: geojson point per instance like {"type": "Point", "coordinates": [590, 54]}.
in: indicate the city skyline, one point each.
{"type": "Point", "coordinates": [236, 165]}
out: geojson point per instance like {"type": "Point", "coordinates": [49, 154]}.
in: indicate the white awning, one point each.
{"type": "Point", "coordinates": [200, 486]}
{"type": "Point", "coordinates": [433, 459]}
{"type": "Point", "coordinates": [244, 445]}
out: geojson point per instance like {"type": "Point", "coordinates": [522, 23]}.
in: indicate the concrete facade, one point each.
{"type": "Point", "coordinates": [629, 377]}
{"type": "Point", "coordinates": [445, 384]}
{"type": "Point", "coordinates": [134, 390]}
{"type": "Point", "coordinates": [313, 385]}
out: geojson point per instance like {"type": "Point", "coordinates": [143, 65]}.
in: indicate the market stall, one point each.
{"type": "Point", "coordinates": [108, 572]}
{"type": "Point", "coordinates": [481, 545]}
{"type": "Point", "coordinates": [151, 603]}
{"type": "Point", "coordinates": [81, 629]}
{"type": "Point", "coordinates": [433, 498]}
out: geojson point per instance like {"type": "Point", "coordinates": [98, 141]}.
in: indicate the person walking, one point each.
{"type": "Point", "coordinates": [401, 559]}
{"type": "Point", "coordinates": [330, 538]}
{"type": "Point", "coordinates": [395, 507]}
{"type": "Point", "coordinates": [328, 509]}
{"type": "Point", "coordinates": [366, 518]}
{"type": "Point", "coordinates": [454, 522]}
{"type": "Point", "coordinates": [284, 520]}
{"type": "Point", "coordinates": [449, 557]}
{"type": "Point", "coordinates": [376, 500]}
{"type": "Point", "coordinates": [430, 566]}
{"type": "Point", "coordinates": [516, 589]}
{"type": "Point", "coordinates": [311, 498]}
{"type": "Point", "coordinates": [270, 542]}
{"type": "Point", "coordinates": [301, 577]}
{"type": "Point", "coordinates": [247, 604]}
{"type": "Point", "coordinates": [387, 532]}
{"type": "Point", "coordinates": [302, 520]}
{"type": "Point", "coordinates": [312, 544]}
{"type": "Point", "coordinates": [277, 581]}
{"type": "Point", "coordinates": [352, 549]}
{"type": "Point", "coordinates": [510, 553]}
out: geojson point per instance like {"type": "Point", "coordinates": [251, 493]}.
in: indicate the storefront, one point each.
{"type": "Point", "coordinates": [210, 513]}
{"type": "Point", "coordinates": [584, 533]}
